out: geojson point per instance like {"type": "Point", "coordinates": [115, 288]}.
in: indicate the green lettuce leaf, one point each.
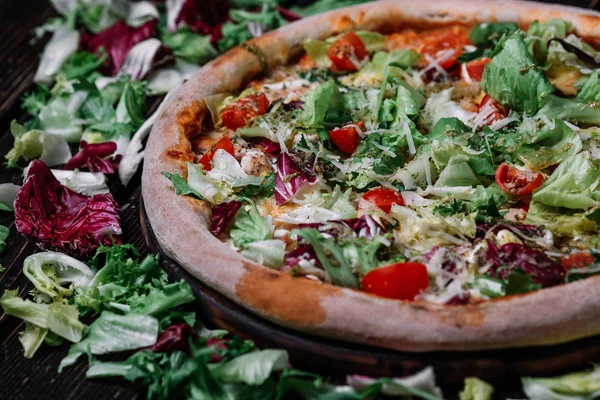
{"type": "Point", "coordinates": [189, 45]}
{"type": "Point", "coordinates": [573, 185]}
{"type": "Point", "coordinates": [250, 226]}
{"type": "Point", "coordinates": [4, 233]}
{"type": "Point", "coordinates": [130, 109]}
{"type": "Point", "coordinates": [112, 333]}
{"type": "Point", "coordinates": [56, 118]}
{"type": "Point", "coordinates": [32, 338]}
{"type": "Point", "coordinates": [457, 173]}
{"type": "Point", "coordinates": [555, 107]}
{"type": "Point", "coordinates": [576, 386]}
{"type": "Point", "coordinates": [182, 188]}
{"type": "Point", "coordinates": [60, 318]}
{"type": "Point", "coordinates": [252, 368]}
{"type": "Point", "coordinates": [548, 146]}
{"type": "Point", "coordinates": [476, 389]}
{"type": "Point", "coordinates": [317, 102]}
{"type": "Point", "coordinates": [588, 88]}
{"type": "Point", "coordinates": [51, 149]}
{"type": "Point", "coordinates": [486, 36]}
{"type": "Point", "coordinates": [270, 253]}
{"type": "Point", "coordinates": [81, 64]}
{"type": "Point", "coordinates": [513, 79]}
{"type": "Point", "coordinates": [49, 271]}
{"type": "Point", "coordinates": [538, 35]}
{"type": "Point", "coordinates": [561, 221]}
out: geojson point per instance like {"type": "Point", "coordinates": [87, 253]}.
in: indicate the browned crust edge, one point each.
{"type": "Point", "coordinates": [549, 316]}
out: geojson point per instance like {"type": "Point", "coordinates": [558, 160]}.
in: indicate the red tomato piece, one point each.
{"type": "Point", "coordinates": [383, 198]}
{"type": "Point", "coordinates": [346, 51]}
{"type": "Point", "coordinates": [475, 68]}
{"type": "Point", "coordinates": [515, 182]}
{"type": "Point", "coordinates": [238, 114]}
{"type": "Point", "coordinates": [223, 144]}
{"type": "Point", "coordinates": [496, 111]}
{"type": "Point", "coordinates": [347, 138]}
{"type": "Point", "coordinates": [577, 260]}
{"type": "Point", "coordinates": [401, 281]}
{"type": "Point", "coordinates": [446, 46]}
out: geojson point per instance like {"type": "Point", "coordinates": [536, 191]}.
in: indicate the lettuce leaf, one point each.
{"type": "Point", "coordinates": [4, 233]}
{"type": "Point", "coordinates": [576, 386]}
{"type": "Point", "coordinates": [538, 35]}
{"type": "Point", "coordinates": [50, 149]}
{"type": "Point", "coordinates": [588, 88]}
{"type": "Point", "coordinates": [513, 79]}
{"type": "Point", "coordinates": [250, 226]}
{"type": "Point", "coordinates": [32, 338]}
{"type": "Point", "coordinates": [457, 173]}
{"type": "Point", "coordinates": [270, 253]}
{"type": "Point", "coordinates": [113, 333]}
{"type": "Point", "coordinates": [190, 45]}
{"type": "Point", "coordinates": [60, 318]}
{"type": "Point", "coordinates": [476, 389]}
{"type": "Point", "coordinates": [555, 107]}
{"type": "Point", "coordinates": [574, 184]}
{"type": "Point", "coordinates": [561, 221]}
{"type": "Point", "coordinates": [64, 43]}
{"type": "Point", "coordinates": [551, 145]}
{"type": "Point", "coordinates": [252, 368]}
{"type": "Point", "coordinates": [317, 102]}
{"type": "Point", "coordinates": [49, 271]}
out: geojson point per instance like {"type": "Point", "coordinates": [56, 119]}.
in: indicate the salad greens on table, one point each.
{"type": "Point", "coordinates": [377, 159]}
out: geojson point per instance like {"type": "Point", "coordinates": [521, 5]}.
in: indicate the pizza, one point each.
{"type": "Point", "coordinates": [415, 177]}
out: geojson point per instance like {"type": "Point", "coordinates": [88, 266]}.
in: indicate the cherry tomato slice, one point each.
{"type": "Point", "coordinates": [345, 51]}
{"type": "Point", "coordinates": [475, 68]}
{"type": "Point", "coordinates": [577, 260]}
{"type": "Point", "coordinates": [446, 46]}
{"type": "Point", "coordinates": [515, 182]}
{"type": "Point", "coordinates": [224, 144]}
{"type": "Point", "coordinates": [347, 138]}
{"type": "Point", "coordinates": [237, 115]}
{"type": "Point", "coordinates": [402, 281]}
{"type": "Point", "coordinates": [383, 198]}
{"type": "Point", "coordinates": [495, 110]}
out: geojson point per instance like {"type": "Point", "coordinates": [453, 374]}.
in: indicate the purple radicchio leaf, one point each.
{"type": "Point", "coordinates": [94, 158]}
{"type": "Point", "coordinates": [204, 17]}
{"type": "Point", "coordinates": [302, 252]}
{"type": "Point", "coordinates": [117, 40]}
{"type": "Point", "coordinates": [266, 145]}
{"type": "Point", "coordinates": [175, 338]}
{"type": "Point", "coordinates": [55, 217]}
{"type": "Point", "coordinates": [539, 266]}
{"type": "Point", "coordinates": [293, 105]}
{"type": "Point", "coordinates": [290, 178]}
{"type": "Point", "coordinates": [223, 214]}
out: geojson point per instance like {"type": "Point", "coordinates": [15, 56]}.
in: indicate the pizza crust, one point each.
{"type": "Point", "coordinates": [545, 317]}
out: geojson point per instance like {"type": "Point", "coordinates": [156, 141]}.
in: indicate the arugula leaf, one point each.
{"type": "Point", "coordinates": [113, 333]}
{"type": "Point", "coordinates": [81, 64]}
{"type": "Point", "coordinates": [513, 79]}
{"type": "Point", "coordinates": [33, 102]}
{"type": "Point", "coordinates": [516, 282]}
{"type": "Point", "coordinates": [190, 45]}
{"type": "Point", "coordinates": [265, 189]}
{"type": "Point", "coordinates": [249, 227]}
{"type": "Point", "coordinates": [181, 186]}
{"type": "Point", "coordinates": [4, 232]}
{"type": "Point", "coordinates": [454, 207]}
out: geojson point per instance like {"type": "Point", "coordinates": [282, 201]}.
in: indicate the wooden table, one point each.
{"type": "Point", "coordinates": [38, 378]}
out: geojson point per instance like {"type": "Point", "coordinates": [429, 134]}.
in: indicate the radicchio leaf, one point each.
{"type": "Point", "coordinates": [204, 17]}
{"type": "Point", "coordinates": [539, 266]}
{"type": "Point", "coordinates": [94, 158]}
{"type": "Point", "coordinates": [288, 15]}
{"type": "Point", "coordinates": [302, 252]}
{"type": "Point", "coordinates": [56, 218]}
{"type": "Point", "coordinates": [219, 344]}
{"type": "Point", "coordinates": [289, 180]}
{"type": "Point", "coordinates": [293, 105]}
{"type": "Point", "coordinates": [174, 338]}
{"type": "Point", "coordinates": [267, 146]}
{"type": "Point", "coordinates": [223, 214]}
{"type": "Point", "coordinates": [117, 41]}
{"type": "Point", "coordinates": [364, 226]}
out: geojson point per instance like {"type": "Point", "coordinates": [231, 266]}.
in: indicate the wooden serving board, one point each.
{"type": "Point", "coordinates": [332, 357]}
